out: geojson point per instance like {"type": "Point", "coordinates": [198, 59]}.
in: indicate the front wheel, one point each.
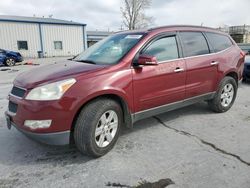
{"type": "Point", "coordinates": [225, 96]}
{"type": "Point", "coordinates": [10, 62]}
{"type": "Point", "coordinates": [98, 126]}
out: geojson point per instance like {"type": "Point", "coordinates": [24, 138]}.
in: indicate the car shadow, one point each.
{"type": "Point", "coordinates": [16, 148]}
{"type": "Point", "coordinates": [23, 151]}
{"type": "Point", "coordinates": [244, 83]}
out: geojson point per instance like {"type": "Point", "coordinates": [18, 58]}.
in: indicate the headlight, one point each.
{"type": "Point", "coordinates": [53, 91]}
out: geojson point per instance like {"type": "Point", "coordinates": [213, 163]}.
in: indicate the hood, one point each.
{"type": "Point", "coordinates": [54, 72]}
{"type": "Point", "coordinates": [12, 53]}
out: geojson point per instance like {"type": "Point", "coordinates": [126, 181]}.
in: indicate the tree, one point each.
{"type": "Point", "coordinates": [133, 13]}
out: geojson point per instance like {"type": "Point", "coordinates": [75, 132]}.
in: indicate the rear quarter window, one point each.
{"type": "Point", "coordinates": [194, 43]}
{"type": "Point", "coordinates": [219, 42]}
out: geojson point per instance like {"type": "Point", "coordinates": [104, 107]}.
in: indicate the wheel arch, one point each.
{"type": "Point", "coordinates": [231, 73]}
{"type": "Point", "coordinates": [234, 75]}
{"type": "Point", "coordinates": [127, 116]}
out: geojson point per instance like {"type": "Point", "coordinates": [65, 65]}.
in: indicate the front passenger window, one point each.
{"type": "Point", "coordinates": [163, 49]}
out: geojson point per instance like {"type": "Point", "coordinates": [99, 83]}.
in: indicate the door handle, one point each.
{"type": "Point", "coordinates": [214, 63]}
{"type": "Point", "coordinates": [178, 70]}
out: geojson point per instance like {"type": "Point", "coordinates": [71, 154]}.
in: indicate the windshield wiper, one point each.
{"type": "Point", "coordinates": [86, 61]}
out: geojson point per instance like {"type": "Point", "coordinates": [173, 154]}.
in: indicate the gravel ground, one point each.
{"type": "Point", "coordinates": [190, 147]}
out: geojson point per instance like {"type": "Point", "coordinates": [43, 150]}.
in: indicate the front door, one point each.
{"type": "Point", "coordinates": [161, 84]}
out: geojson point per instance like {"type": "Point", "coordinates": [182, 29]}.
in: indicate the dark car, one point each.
{"type": "Point", "coordinates": [9, 58]}
{"type": "Point", "coordinates": [124, 78]}
{"type": "Point", "coordinates": [246, 73]}
{"type": "Point", "coordinates": [245, 47]}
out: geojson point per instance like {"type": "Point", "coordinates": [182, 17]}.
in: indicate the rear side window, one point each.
{"type": "Point", "coordinates": [194, 43]}
{"type": "Point", "coordinates": [163, 49]}
{"type": "Point", "coordinates": [219, 42]}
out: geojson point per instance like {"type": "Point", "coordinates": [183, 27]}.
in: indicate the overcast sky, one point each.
{"type": "Point", "coordinates": [105, 14]}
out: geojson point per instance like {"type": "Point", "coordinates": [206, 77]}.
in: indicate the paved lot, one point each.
{"type": "Point", "coordinates": [193, 147]}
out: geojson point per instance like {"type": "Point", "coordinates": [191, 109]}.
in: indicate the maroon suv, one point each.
{"type": "Point", "coordinates": [124, 78]}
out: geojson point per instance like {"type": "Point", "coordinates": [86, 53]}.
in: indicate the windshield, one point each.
{"type": "Point", "coordinates": [109, 50]}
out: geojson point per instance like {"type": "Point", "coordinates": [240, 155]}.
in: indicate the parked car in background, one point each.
{"type": "Point", "coordinates": [9, 58]}
{"type": "Point", "coordinates": [124, 78]}
{"type": "Point", "coordinates": [245, 47]}
{"type": "Point", "coordinates": [246, 74]}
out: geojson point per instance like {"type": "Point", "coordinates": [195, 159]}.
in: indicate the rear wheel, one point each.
{"type": "Point", "coordinates": [10, 62]}
{"type": "Point", "coordinates": [225, 96]}
{"type": "Point", "coordinates": [98, 126]}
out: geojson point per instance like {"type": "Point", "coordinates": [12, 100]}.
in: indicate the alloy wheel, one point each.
{"type": "Point", "coordinates": [106, 128]}
{"type": "Point", "coordinates": [10, 62]}
{"type": "Point", "coordinates": [227, 95]}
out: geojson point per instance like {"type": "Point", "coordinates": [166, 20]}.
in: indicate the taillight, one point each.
{"type": "Point", "coordinates": [242, 53]}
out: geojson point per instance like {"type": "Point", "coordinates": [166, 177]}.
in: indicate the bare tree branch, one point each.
{"type": "Point", "coordinates": [133, 14]}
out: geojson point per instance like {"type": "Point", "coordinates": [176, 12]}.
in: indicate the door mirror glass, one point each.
{"type": "Point", "coordinates": [147, 60]}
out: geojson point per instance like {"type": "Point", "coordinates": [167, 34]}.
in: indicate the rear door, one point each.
{"type": "Point", "coordinates": [201, 65]}
{"type": "Point", "coordinates": [164, 83]}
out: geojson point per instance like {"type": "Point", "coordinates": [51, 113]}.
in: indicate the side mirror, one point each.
{"type": "Point", "coordinates": [147, 60]}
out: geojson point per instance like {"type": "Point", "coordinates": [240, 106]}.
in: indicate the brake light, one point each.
{"type": "Point", "coordinates": [242, 53]}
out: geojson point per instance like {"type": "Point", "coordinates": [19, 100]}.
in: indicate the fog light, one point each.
{"type": "Point", "coordinates": [37, 124]}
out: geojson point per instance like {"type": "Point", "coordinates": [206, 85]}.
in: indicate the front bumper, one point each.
{"type": "Point", "coordinates": [56, 138]}
{"type": "Point", "coordinates": [60, 112]}
{"type": "Point", "coordinates": [19, 59]}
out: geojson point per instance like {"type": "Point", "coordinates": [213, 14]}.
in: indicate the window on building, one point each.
{"type": "Point", "coordinates": [163, 49]}
{"type": "Point", "coordinates": [218, 41]}
{"type": "Point", "coordinates": [58, 45]}
{"type": "Point", "coordinates": [22, 45]}
{"type": "Point", "coordinates": [91, 43]}
{"type": "Point", "coordinates": [194, 43]}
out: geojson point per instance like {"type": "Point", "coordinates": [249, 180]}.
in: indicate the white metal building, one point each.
{"type": "Point", "coordinates": [95, 36]}
{"type": "Point", "coordinates": [52, 37]}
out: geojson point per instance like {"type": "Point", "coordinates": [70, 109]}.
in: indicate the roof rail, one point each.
{"type": "Point", "coordinates": [169, 26]}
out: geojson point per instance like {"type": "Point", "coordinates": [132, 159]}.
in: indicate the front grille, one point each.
{"type": "Point", "coordinates": [12, 107]}
{"type": "Point", "coordinates": [19, 92]}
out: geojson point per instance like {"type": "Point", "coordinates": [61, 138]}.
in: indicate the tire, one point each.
{"type": "Point", "coordinates": [94, 118]}
{"type": "Point", "coordinates": [225, 96]}
{"type": "Point", "coordinates": [10, 62]}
